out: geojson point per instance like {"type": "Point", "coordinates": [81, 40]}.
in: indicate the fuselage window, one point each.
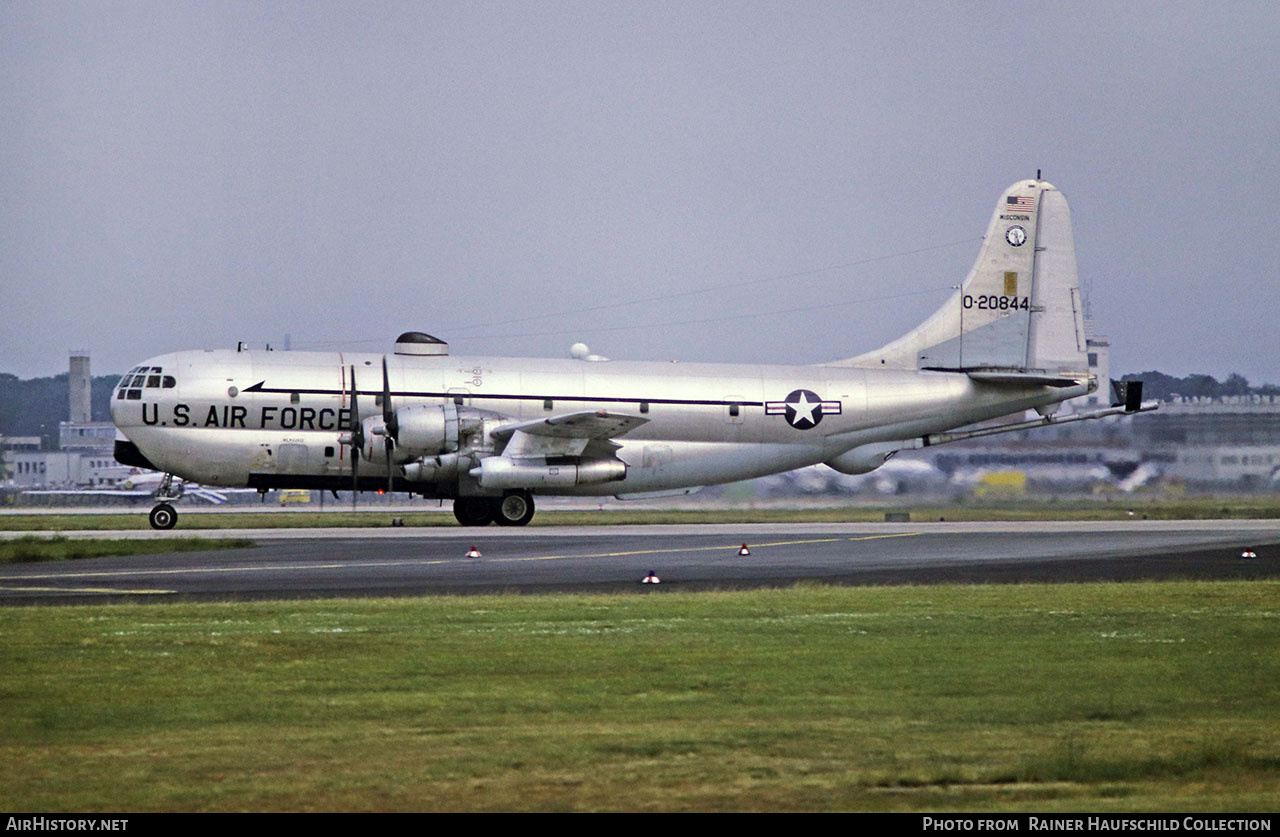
{"type": "Point", "coordinates": [295, 397]}
{"type": "Point", "coordinates": [644, 406]}
{"type": "Point", "coordinates": [547, 404]}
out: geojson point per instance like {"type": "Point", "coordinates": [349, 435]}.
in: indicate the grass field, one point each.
{"type": "Point", "coordinates": [1201, 508]}
{"type": "Point", "coordinates": [1098, 697]}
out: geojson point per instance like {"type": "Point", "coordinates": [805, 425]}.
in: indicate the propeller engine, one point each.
{"type": "Point", "coordinates": [401, 436]}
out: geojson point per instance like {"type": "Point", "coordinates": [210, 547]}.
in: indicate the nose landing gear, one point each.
{"type": "Point", "coordinates": [163, 516]}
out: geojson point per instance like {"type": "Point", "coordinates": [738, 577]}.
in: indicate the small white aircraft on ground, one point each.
{"type": "Point", "coordinates": [138, 484]}
{"type": "Point", "coordinates": [491, 433]}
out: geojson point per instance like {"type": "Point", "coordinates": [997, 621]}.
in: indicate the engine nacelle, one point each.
{"type": "Point", "coordinates": [863, 459]}
{"type": "Point", "coordinates": [500, 472]}
{"type": "Point", "coordinates": [442, 468]}
{"type": "Point", "coordinates": [422, 430]}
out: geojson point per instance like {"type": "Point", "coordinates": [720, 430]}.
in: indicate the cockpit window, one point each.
{"type": "Point", "coordinates": [131, 385]}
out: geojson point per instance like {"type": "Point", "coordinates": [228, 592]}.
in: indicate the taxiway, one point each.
{"type": "Point", "coordinates": [309, 563]}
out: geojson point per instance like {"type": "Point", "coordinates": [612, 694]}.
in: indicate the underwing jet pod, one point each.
{"type": "Point", "coordinates": [492, 433]}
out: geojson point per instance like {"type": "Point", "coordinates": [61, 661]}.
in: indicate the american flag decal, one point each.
{"type": "Point", "coordinates": [1022, 204]}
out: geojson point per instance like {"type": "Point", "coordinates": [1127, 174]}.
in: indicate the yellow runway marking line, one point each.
{"type": "Point", "coordinates": [109, 591]}
{"type": "Point", "coordinates": [198, 570]}
{"type": "Point", "coordinates": [734, 547]}
{"type": "Point", "coordinates": [658, 551]}
{"type": "Point", "coordinates": [882, 537]}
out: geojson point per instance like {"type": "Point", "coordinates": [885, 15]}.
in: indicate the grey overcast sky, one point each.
{"type": "Point", "coordinates": [783, 182]}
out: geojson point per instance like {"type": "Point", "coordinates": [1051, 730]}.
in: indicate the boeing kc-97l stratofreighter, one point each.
{"type": "Point", "coordinates": [491, 433]}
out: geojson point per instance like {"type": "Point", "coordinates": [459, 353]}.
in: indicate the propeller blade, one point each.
{"type": "Point", "coordinates": [355, 476]}
{"type": "Point", "coordinates": [391, 427]}
{"type": "Point", "coordinates": [357, 439]}
{"type": "Point", "coordinates": [388, 414]}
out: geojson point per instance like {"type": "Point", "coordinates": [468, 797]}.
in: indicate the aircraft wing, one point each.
{"type": "Point", "coordinates": [565, 434]}
{"type": "Point", "coordinates": [588, 424]}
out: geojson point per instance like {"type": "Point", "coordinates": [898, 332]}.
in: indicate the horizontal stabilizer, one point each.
{"type": "Point", "coordinates": [1021, 378]}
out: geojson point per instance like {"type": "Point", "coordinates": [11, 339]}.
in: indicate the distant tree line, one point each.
{"type": "Point", "coordinates": [1159, 386]}
{"type": "Point", "coordinates": [35, 406]}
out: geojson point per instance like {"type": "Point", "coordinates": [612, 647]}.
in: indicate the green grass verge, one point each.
{"type": "Point", "coordinates": [39, 548]}
{"type": "Point", "coordinates": [1208, 508]}
{"type": "Point", "coordinates": [1100, 697]}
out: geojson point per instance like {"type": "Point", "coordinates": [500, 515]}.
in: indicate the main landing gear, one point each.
{"type": "Point", "coordinates": [515, 508]}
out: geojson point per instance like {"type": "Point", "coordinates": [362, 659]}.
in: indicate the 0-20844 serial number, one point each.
{"type": "Point", "coordinates": [995, 302]}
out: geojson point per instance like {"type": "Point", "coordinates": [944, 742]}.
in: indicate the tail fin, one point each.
{"type": "Point", "coordinates": [1018, 311]}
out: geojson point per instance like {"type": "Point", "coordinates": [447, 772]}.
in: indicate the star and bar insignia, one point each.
{"type": "Point", "coordinates": [803, 409]}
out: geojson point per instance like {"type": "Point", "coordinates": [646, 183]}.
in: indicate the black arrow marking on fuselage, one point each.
{"type": "Point", "coordinates": [261, 387]}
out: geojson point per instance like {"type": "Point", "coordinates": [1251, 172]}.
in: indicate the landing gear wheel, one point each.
{"type": "Point", "coordinates": [515, 509]}
{"type": "Point", "coordinates": [473, 511]}
{"type": "Point", "coordinates": [163, 516]}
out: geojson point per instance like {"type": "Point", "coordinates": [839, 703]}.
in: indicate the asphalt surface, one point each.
{"type": "Point", "coordinates": [413, 562]}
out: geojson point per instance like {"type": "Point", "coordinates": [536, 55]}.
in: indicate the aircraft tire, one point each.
{"type": "Point", "coordinates": [474, 511]}
{"type": "Point", "coordinates": [163, 516]}
{"type": "Point", "coordinates": [515, 509]}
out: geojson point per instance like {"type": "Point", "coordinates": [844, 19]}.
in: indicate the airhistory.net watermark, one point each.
{"type": "Point", "coordinates": [63, 824]}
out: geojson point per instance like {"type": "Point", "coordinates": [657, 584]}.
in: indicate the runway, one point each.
{"type": "Point", "coordinates": [432, 561]}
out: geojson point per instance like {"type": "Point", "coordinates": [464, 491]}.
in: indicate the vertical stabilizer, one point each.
{"type": "Point", "coordinates": [1019, 310]}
